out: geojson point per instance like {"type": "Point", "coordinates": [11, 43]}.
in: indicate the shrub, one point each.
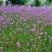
{"type": "Point", "coordinates": [1, 2]}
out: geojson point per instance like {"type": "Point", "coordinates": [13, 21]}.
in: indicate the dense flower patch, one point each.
{"type": "Point", "coordinates": [25, 29]}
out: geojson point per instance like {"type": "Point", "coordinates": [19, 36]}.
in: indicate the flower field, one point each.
{"type": "Point", "coordinates": [25, 29]}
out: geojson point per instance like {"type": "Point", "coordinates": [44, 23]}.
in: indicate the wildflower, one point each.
{"type": "Point", "coordinates": [34, 25]}
{"type": "Point", "coordinates": [6, 42]}
{"type": "Point", "coordinates": [32, 30]}
{"type": "Point", "coordinates": [27, 26]}
{"type": "Point", "coordinates": [41, 33]}
{"type": "Point", "coordinates": [28, 43]}
{"type": "Point", "coordinates": [51, 38]}
{"type": "Point", "coordinates": [32, 39]}
{"type": "Point", "coordinates": [1, 18]}
{"type": "Point", "coordinates": [1, 48]}
{"type": "Point", "coordinates": [39, 37]}
{"type": "Point", "coordinates": [4, 37]}
{"type": "Point", "coordinates": [45, 32]}
{"type": "Point", "coordinates": [18, 44]}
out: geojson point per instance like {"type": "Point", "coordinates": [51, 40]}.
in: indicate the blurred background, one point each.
{"type": "Point", "coordinates": [26, 2]}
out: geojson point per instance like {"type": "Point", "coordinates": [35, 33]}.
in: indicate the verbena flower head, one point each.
{"type": "Point", "coordinates": [1, 18]}
{"type": "Point", "coordinates": [18, 44]}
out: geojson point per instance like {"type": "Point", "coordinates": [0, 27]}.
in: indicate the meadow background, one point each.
{"type": "Point", "coordinates": [26, 28]}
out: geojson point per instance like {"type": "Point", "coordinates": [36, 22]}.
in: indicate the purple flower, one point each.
{"type": "Point", "coordinates": [18, 44]}
{"type": "Point", "coordinates": [34, 26]}
{"type": "Point", "coordinates": [1, 18]}
{"type": "Point", "coordinates": [1, 48]}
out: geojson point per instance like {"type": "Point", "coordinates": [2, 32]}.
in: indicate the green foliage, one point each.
{"type": "Point", "coordinates": [1, 2]}
{"type": "Point", "coordinates": [49, 1]}
{"type": "Point", "coordinates": [24, 1]}
{"type": "Point", "coordinates": [19, 2]}
{"type": "Point", "coordinates": [36, 2]}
